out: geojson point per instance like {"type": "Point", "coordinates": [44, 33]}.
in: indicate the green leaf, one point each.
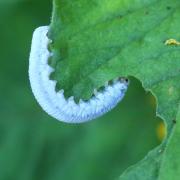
{"type": "Point", "coordinates": [97, 41]}
{"type": "Point", "coordinates": [161, 163]}
{"type": "Point", "coordinates": [107, 39]}
{"type": "Point", "coordinates": [170, 166]}
{"type": "Point", "coordinates": [147, 169]}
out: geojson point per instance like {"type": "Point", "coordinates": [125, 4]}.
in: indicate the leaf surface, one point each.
{"type": "Point", "coordinates": [96, 41]}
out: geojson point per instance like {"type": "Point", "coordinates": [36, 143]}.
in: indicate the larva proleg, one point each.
{"type": "Point", "coordinates": [54, 103]}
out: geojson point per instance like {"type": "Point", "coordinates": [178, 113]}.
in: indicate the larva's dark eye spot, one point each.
{"type": "Point", "coordinates": [101, 89]}
{"type": "Point", "coordinates": [110, 82]}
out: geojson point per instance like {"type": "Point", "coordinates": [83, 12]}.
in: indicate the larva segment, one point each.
{"type": "Point", "coordinates": [54, 103]}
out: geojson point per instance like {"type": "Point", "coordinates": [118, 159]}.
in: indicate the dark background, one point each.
{"type": "Point", "coordinates": [34, 146]}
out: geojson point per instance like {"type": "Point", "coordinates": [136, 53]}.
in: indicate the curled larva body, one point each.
{"type": "Point", "coordinates": [54, 103]}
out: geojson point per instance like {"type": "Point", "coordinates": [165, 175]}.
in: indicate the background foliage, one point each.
{"type": "Point", "coordinates": [34, 145]}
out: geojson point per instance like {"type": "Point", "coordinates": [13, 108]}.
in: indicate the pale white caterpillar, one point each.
{"type": "Point", "coordinates": [54, 103]}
